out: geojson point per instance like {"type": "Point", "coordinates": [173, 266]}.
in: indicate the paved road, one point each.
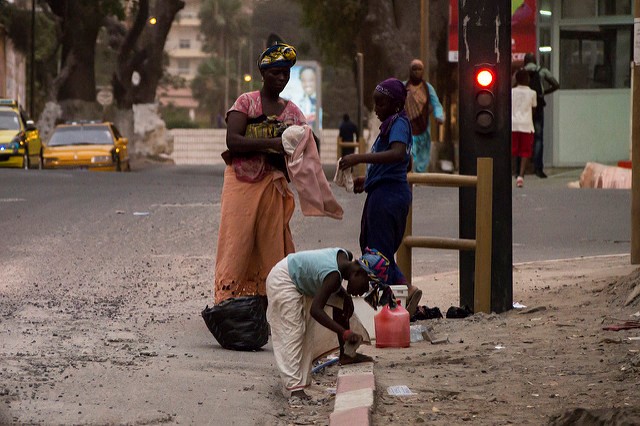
{"type": "Point", "coordinates": [549, 220]}
{"type": "Point", "coordinates": [133, 253]}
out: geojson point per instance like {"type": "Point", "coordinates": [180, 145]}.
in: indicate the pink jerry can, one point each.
{"type": "Point", "coordinates": [392, 327]}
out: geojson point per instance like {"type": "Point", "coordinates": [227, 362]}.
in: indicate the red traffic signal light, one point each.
{"type": "Point", "coordinates": [484, 77]}
{"type": "Point", "coordinates": [484, 97]}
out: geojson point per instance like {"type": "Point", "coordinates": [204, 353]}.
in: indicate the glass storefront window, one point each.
{"type": "Point", "coordinates": [595, 57]}
{"type": "Point", "coordinates": [578, 8]}
{"type": "Point", "coordinates": [588, 9]}
{"type": "Point", "coordinates": [614, 7]}
{"type": "Point", "coordinates": [544, 33]}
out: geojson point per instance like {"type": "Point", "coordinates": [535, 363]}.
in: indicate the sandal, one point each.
{"type": "Point", "coordinates": [412, 302]}
{"type": "Point", "coordinates": [346, 360]}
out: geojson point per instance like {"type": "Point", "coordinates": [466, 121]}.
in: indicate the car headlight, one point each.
{"type": "Point", "coordinates": [101, 159]}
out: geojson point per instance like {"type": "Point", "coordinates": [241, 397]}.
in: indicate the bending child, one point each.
{"type": "Point", "coordinates": [299, 287]}
{"type": "Point", "coordinates": [384, 216]}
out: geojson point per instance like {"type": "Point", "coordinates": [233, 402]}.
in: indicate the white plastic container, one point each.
{"type": "Point", "coordinates": [400, 292]}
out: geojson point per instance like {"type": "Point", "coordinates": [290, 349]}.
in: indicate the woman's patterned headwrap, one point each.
{"type": "Point", "coordinates": [278, 55]}
{"type": "Point", "coordinates": [377, 267]}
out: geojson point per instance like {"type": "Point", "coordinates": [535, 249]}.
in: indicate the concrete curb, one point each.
{"type": "Point", "coordinates": [354, 395]}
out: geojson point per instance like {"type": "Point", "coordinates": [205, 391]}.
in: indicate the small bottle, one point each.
{"type": "Point", "coordinates": [392, 327]}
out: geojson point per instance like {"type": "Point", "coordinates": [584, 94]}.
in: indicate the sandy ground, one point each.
{"type": "Point", "coordinates": [75, 352]}
{"type": "Point", "coordinates": [535, 365]}
{"type": "Point", "coordinates": [97, 330]}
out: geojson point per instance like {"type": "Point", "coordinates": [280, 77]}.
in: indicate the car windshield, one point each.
{"type": "Point", "coordinates": [9, 121]}
{"type": "Point", "coordinates": [81, 135]}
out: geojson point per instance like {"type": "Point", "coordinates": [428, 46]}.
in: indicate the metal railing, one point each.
{"type": "Point", "coordinates": [483, 183]}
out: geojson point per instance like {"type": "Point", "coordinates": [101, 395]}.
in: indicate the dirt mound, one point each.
{"type": "Point", "coordinates": [625, 291]}
{"type": "Point", "coordinates": [599, 417]}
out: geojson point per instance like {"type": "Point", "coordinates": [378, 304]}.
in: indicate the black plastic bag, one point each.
{"type": "Point", "coordinates": [425, 313]}
{"type": "Point", "coordinates": [239, 323]}
{"type": "Point", "coordinates": [456, 312]}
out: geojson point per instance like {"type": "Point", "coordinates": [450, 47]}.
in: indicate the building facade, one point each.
{"type": "Point", "coordinates": [13, 71]}
{"type": "Point", "coordinates": [588, 46]}
{"type": "Point", "coordinates": [184, 49]}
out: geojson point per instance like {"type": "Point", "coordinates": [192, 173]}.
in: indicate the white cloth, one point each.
{"type": "Point", "coordinates": [291, 137]}
{"type": "Point", "coordinates": [523, 100]}
{"type": "Point", "coordinates": [343, 178]}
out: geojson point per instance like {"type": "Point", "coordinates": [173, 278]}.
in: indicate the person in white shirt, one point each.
{"type": "Point", "coordinates": [523, 101]}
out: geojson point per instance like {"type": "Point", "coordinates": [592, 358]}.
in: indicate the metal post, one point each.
{"type": "Point", "coordinates": [250, 62]}
{"type": "Point", "coordinates": [239, 68]}
{"type": "Point", "coordinates": [484, 218]}
{"type": "Point", "coordinates": [226, 73]}
{"type": "Point", "coordinates": [361, 168]}
{"type": "Point", "coordinates": [635, 141]}
{"type": "Point", "coordinates": [362, 148]}
{"type": "Point", "coordinates": [404, 251]}
{"type": "Point", "coordinates": [360, 69]}
{"type": "Point", "coordinates": [33, 61]}
{"type": "Point", "coordinates": [424, 38]}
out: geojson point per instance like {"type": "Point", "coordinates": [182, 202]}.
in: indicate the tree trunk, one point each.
{"type": "Point", "coordinates": [154, 40]}
{"type": "Point", "coordinates": [81, 22]}
{"type": "Point", "coordinates": [386, 40]}
{"type": "Point", "coordinates": [142, 53]}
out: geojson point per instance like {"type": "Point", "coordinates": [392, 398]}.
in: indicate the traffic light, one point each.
{"type": "Point", "coordinates": [484, 113]}
{"type": "Point", "coordinates": [484, 98]}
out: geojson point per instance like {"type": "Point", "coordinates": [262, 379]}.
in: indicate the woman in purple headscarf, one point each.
{"type": "Point", "coordinates": [384, 216]}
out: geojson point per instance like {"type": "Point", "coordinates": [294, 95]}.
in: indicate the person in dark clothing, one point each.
{"type": "Point", "coordinates": [384, 215]}
{"type": "Point", "coordinates": [348, 133]}
{"type": "Point", "coordinates": [543, 83]}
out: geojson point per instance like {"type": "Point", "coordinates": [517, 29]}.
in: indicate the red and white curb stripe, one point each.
{"type": "Point", "coordinates": [354, 395]}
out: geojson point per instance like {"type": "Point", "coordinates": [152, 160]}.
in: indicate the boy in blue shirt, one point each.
{"type": "Point", "coordinates": [299, 287]}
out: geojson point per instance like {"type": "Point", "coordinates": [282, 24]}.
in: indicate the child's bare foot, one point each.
{"type": "Point", "coordinates": [345, 360]}
{"type": "Point", "coordinates": [300, 394]}
{"type": "Point", "coordinates": [298, 398]}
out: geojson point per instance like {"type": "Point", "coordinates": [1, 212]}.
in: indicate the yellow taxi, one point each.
{"type": "Point", "coordinates": [87, 145]}
{"type": "Point", "coordinates": [20, 144]}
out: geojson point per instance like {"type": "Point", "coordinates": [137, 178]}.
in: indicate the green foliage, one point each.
{"type": "Point", "coordinates": [225, 27]}
{"type": "Point", "coordinates": [208, 85]}
{"type": "Point", "coordinates": [177, 118]}
{"type": "Point", "coordinates": [114, 7]}
{"type": "Point", "coordinates": [219, 19]}
{"type": "Point", "coordinates": [335, 24]}
{"type": "Point", "coordinates": [17, 23]}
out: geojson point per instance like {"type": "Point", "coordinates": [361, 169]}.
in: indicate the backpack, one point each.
{"type": "Point", "coordinates": [535, 83]}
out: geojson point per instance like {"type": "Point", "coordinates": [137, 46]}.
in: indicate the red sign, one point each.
{"type": "Point", "coordinates": [523, 29]}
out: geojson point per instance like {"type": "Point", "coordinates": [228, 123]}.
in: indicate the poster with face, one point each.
{"type": "Point", "coordinates": [304, 89]}
{"type": "Point", "coordinates": [523, 29]}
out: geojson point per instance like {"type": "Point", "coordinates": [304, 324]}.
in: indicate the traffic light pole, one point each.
{"type": "Point", "coordinates": [484, 61]}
